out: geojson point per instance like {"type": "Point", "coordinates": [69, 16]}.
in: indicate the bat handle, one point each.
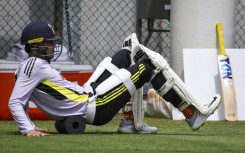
{"type": "Point", "coordinates": [220, 38]}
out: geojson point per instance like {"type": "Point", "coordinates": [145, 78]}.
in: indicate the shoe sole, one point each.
{"type": "Point", "coordinates": [135, 132]}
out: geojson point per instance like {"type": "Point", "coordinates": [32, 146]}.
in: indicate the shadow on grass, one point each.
{"type": "Point", "coordinates": [53, 133]}
{"type": "Point", "coordinates": [12, 133]}
{"type": "Point", "coordinates": [185, 134]}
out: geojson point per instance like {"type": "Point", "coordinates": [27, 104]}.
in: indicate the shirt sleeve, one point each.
{"type": "Point", "coordinates": [24, 86]}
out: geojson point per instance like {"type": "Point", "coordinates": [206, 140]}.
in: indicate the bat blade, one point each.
{"type": "Point", "coordinates": [228, 87]}
{"type": "Point", "coordinates": [226, 79]}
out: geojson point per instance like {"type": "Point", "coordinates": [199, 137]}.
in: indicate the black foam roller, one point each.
{"type": "Point", "coordinates": [71, 125]}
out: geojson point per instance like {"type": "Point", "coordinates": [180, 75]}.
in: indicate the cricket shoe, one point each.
{"type": "Point", "coordinates": [127, 127]}
{"type": "Point", "coordinates": [198, 119]}
{"type": "Point", "coordinates": [130, 42]}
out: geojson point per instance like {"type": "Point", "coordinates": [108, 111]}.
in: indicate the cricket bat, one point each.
{"type": "Point", "coordinates": [226, 78]}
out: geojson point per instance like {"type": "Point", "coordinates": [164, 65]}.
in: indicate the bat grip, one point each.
{"type": "Point", "coordinates": [220, 38]}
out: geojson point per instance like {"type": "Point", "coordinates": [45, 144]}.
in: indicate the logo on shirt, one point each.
{"type": "Point", "coordinates": [29, 67]}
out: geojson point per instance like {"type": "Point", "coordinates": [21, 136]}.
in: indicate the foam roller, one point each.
{"type": "Point", "coordinates": [71, 125]}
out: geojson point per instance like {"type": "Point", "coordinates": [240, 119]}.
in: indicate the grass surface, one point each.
{"type": "Point", "coordinates": [172, 136]}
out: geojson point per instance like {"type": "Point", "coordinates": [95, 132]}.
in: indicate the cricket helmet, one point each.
{"type": "Point", "coordinates": [36, 33]}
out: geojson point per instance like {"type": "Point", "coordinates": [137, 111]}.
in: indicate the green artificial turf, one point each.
{"type": "Point", "coordinates": [172, 136]}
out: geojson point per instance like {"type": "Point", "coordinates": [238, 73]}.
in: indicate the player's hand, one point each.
{"type": "Point", "coordinates": [37, 133]}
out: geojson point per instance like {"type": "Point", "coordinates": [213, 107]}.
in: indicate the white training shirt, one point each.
{"type": "Point", "coordinates": [53, 94]}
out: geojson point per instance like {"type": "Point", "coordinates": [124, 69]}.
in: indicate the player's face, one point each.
{"type": "Point", "coordinates": [50, 51]}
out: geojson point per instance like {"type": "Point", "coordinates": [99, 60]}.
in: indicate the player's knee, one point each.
{"type": "Point", "coordinates": [122, 59]}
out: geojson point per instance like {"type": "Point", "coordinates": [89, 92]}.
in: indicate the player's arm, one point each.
{"type": "Point", "coordinates": [18, 102]}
